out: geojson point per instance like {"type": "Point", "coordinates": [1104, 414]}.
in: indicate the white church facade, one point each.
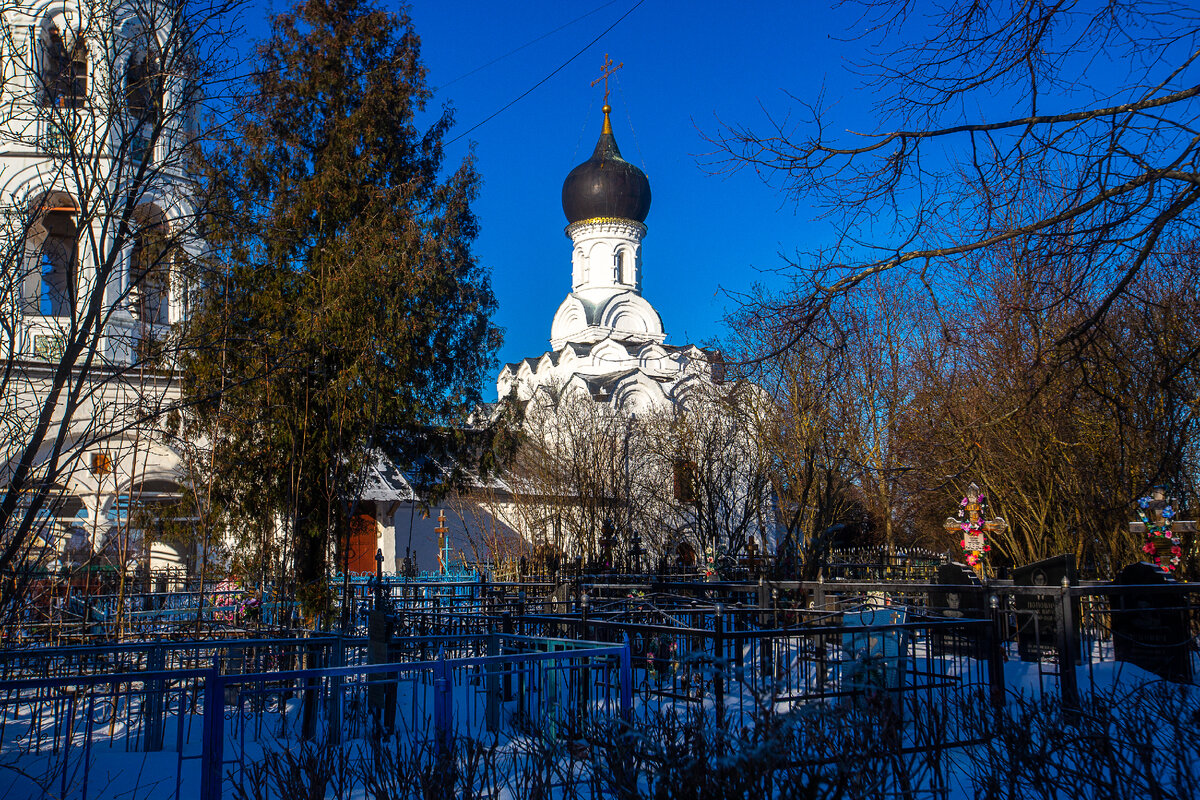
{"type": "Point", "coordinates": [606, 339]}
{"type": "Point", "coordinates": [99, 226]}
{"type": "Point", "coordinates": [613, 393]}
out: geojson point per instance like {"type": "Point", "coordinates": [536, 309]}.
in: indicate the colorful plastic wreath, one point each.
{"type": "Point", "coordinates": [660, 656]}
{"type": "Point", "coordinates": [1158, 534]}
{"type": "Point", "coordinates": [971, 526]}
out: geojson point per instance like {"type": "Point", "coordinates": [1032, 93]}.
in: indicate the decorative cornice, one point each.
{"type": "Point", "coordinates": [612, 226]}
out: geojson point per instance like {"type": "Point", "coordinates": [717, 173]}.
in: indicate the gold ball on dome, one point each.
{"type": "Point", "coordinates": [607, 108]}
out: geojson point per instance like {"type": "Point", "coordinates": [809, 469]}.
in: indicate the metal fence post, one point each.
{"type": "Point", "coordinates": [492, 682]}
{"type": "Point", "coordinates": [626, 680]}
{"type": "Point", "coordinates": [311, 696]}
{"type": "Point", "coordinates": [154, 700]}
{"type": "Point", "coordinates": [443, 722]}
{"type": "Point", "coordinates": [584, 604]}
{"type": "Point", "coordinates": [506, 625]}
{"type": "Point", "coordinates": [1067, 679]}
{"type": "Point", "coordinates": [764, 598]}
{"type": "Point", "coordinates": [334, 700]}
{"type": "Point", "coordinates": [213, 737]}
{"type": "Point", "coordinates": [719, 665]}
{"type": "Point", "coordinates": [996, 654]}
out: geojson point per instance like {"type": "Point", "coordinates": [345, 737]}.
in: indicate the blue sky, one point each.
{"type": "Point", "coordinates": [686, 66]}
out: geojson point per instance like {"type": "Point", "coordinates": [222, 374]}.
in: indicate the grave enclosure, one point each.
{"type": "Point", "coordinates": [447, 660]}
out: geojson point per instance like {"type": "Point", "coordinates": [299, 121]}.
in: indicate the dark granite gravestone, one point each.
{"type": "Point", "coordinates": [1150, 628]}
{"type": "Point", "coordinates": [959, 596]}
{"type": "Point", "coordinates": [1038, 615]}
{"type": "Point", "coordinates": [960, 602]}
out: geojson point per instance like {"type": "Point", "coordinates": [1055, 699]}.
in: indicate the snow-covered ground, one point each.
{"type": "Point", "coordinates": [882, 716]}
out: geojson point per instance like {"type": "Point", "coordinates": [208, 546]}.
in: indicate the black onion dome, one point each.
{"type": "Point", "coordinates": [606, 185]}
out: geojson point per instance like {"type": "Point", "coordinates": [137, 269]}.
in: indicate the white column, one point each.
{"type": "Point", "coordinates": [385, 535]}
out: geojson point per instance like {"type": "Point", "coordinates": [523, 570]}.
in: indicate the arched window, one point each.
{"type": "Point", "coordinates": [144, 82]}
{"type": "Point", "coordinates": [52, 252]}
{"type": "Point", "coordinates": [64, 69]}
{"type": "Point", "coordinates": [149, 270]}
{"type": "Point", "coordinates": [618, 256]}
{"type": "Point", "coordinates": [577, 266]}
{"type": "Point", "coordinates": [628, 266]}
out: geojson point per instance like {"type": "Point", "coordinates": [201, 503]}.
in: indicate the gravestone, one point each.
{"type": "Point", "coordinates": [1150, 629]}
{"type": "Point", "coordinates": [1038, 615]}
{"type": "Point", "coordinates": [961, 595]}
{"type": "Point", "coordinates": [874, 660]}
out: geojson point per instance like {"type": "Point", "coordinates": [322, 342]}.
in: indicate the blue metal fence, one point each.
{"type": "Point", "coordinates": [199, 727]}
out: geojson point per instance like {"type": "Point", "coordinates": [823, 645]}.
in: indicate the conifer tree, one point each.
{"type": "Point", "coordinates": [345, 306]}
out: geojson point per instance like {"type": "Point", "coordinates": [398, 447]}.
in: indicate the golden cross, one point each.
{"type": "Point", "coordinates": [605, 70]}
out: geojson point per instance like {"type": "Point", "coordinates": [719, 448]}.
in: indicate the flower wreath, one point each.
{"type": "Point", "coordinates": [708, 568]}
{"type": "Point", "coordinates": [972, 526]}
{"type": "Point", "coordinates": [1160, 533]}
{"type": "Point", "coordinates": [660, 655]}
{"type": "Point", "coordinates": [235, 602]}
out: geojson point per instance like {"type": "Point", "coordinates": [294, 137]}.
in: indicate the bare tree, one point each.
{"type": "Point", "coordinates": [834, 425]}
{"type": "Point", "coordinates": [103, 109]}
{"type": "Point", "coordinates": [570, 477]}
{"type": "Point", "coordinates": [1062, 447]}
{"type": "Point", "coordinates": [704, 474]}
{"type": "Point", "coordinates": [1090, 107]}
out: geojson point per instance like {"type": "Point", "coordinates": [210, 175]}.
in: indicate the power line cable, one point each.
{"type": "Point", "coordinates": [637, 144]}
{"type": "Point", "coordinates": [538, 85]}
{"type": "Point", "coordinates": [527, 44]}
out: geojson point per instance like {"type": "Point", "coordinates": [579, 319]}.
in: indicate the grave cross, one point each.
{"type": "Point", "coordinates": [379, 578]}
{"type": "Point", "coordinates": [971, 525]}
{"type": "Point", "coordinates": [1157, 517]}
{"type": "Point", "coordinates": [443, 555]}
{"type": "Point", "coordinates": [752, 553]}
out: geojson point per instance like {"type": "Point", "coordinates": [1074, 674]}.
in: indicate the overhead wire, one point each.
{"type": "Point", "coordinates": [539, 84]}
{"type": "Point", "coordinates": [527, 44]}
{"type": "Point", "coordinates": [629, 117]}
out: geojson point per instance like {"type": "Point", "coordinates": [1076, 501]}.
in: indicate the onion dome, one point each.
{"type": "Point", "coordinates": [606, 185]}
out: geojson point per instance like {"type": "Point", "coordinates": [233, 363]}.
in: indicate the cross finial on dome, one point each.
{"type": "Point", "coordinates": [607, 69]}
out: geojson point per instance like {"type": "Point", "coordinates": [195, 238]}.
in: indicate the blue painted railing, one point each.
{"type": "Point", "coordinates": [66, 723]}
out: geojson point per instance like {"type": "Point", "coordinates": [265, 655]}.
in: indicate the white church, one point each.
{"type": "Point", "coordinates": [606, 339]}
{"type": "Point", "coordinates": [608, 348]}
{"type": "Point", "coordinates": [100, 228]}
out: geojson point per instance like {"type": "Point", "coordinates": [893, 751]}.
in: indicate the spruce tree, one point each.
{"type": "Point", "coordinates": [345, 306]}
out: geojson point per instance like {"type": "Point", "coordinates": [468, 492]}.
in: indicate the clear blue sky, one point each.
{"type": "Point", "coordinates": [685, 66]}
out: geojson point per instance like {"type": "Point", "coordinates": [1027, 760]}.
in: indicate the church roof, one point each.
{"type": "Point", "coordinates": [384, 482]}
{"type": "Point", "coordinates": [606, 185]}
{"type": "Point", "coordinates": [603, 385]}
